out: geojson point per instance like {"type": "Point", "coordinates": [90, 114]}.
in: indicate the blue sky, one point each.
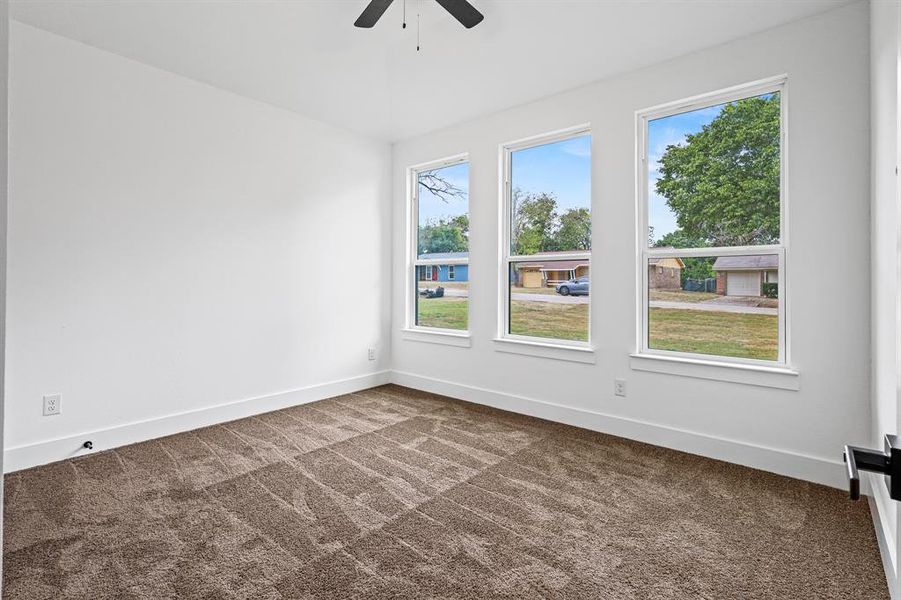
{"type": "Point", "coordinates": [432, 207]}
{"type": "Point", "coordinates": [562, 169]}
{"type": "Point", "coordinates": [662, 133]}
{"type": "Point", "coordinates": [665, 132]}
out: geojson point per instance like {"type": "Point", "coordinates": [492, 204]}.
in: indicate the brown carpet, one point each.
{"type": "Point", "coordinates": [392, 493]}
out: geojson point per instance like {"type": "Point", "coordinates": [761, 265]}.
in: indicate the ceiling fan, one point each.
{"type": "Point", "coordinates": [461, 10]}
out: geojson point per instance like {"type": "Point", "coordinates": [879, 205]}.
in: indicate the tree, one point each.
{"type": "Point", "coordinates": [534, 223]}
{"type": "Point", "coordinates": [575, 230]}
{"type": "Point", "coordinates": [723, 182]}
{"type": "Point", "coordinates": [461, 222]}
{"type": "Point", "coordinates": [447, 234]}
{"type": "Point", "coordinates": [439, 186]}
{"type": "Point", "coordinates": [679, 239]}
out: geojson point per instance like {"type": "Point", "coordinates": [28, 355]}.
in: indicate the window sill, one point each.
{"type": "Point", "coordinates": [580, 354]}
{"type": "Point", "coordinates": [760, 375]}
{"type": "Point", "coordinates": [461, 339]}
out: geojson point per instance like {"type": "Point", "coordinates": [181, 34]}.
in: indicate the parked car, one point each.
{"type": "Point", "coordinates": [575, 287]}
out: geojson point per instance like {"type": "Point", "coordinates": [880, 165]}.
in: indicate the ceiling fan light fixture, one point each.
{"type": "Point", "coordinates": [462, 10]}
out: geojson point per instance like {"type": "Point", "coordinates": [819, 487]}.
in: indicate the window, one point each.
{"type": "Point", "coordinates": [546, 239]}
{"type": "Point", "coordinates": [712, 227]}
{"type": "Point", "coordinates": [439, 249]}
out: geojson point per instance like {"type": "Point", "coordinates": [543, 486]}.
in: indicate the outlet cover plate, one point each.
{"type": "Point", "coordinates": [52, 404]}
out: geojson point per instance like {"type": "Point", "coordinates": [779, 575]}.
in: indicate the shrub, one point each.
{"type": "Point", "coordinates": [771, 290]}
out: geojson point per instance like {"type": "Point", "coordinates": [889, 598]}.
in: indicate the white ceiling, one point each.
{"type": "Point", "coordinates": [306, 56]}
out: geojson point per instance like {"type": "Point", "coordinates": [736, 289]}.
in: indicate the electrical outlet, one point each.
{"type": "Point", "coordinates": [52, 404]}
{"type": "Point", "coordinates": [619, 387]}
{"type": "Point", "coordinates": [372, 354]}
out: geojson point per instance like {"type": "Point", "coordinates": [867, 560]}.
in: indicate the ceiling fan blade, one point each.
{"type": "Point", "coordinates": [372, 13]}
{"type": "Point", "coordinates": [463, 11]}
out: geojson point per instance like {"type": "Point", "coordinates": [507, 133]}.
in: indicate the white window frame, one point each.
{"type": "Point", "coordinates": [645, 252]}
{"type": "Point", "coordinates": [575, 350]}
{"type": "Point", "coordinates": [419, 332]}
{"type": "Point", "coordinates": [451, 272]}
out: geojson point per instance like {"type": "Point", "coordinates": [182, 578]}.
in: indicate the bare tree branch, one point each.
{"type": "Point", "coordinates": [439, 186]}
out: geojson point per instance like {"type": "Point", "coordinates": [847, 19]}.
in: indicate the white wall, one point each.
{"type": "Point", "coordinates": [174, 248]}
{"type": "Point", "coordinates": [799, 433]}
{"type": "Point", "coordinates": [885, 45]}
{"type": "Point", "coordinates": [4, 140]}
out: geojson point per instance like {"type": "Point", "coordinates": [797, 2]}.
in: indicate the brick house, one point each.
{"type": "Point", "coordinates": [665, 273]}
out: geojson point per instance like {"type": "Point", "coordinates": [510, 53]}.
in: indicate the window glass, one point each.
{"type": "Point", "coordinates": [443, 211]}
{"type": "Point", "coordinates": [723, 306]}
{"type": "Point", "coordinates": [442, 302]}
{"type": "Point", "coordinates": [550, 197]}
{"type": "Point", "coordinates": [441, 262]}
{"type": "Point", "coordinates": [714, 175]}
{"type": "Point", "coordinates": [549, 299]}
{"type": "Point", "coordinates": [713, 191]}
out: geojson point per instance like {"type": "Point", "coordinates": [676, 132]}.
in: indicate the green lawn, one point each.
{"type": "Point", "coordinates": [683, 330]}
{"type": "Point", "coordinates": [446, 313]}
{"type": "Point", "coordinates": [719, 333]}
{"type": "Point", "coordinates": [547, 320]}
{"type": "Point", "coordinates": [537, 319]}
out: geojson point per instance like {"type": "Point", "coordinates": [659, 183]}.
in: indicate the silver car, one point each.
{"type": "Point", "coordinates": [574, 287]}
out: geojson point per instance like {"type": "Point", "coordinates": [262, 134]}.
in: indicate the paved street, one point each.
{"type": "Point", "coordinates": [550, 298]}
{"type": "Point", "coordinates": [708, 306]}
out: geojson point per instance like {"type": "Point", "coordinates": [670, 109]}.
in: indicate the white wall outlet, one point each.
{"type": "Point", "coordinates": [52, 404]}
{"type": "Point", "coordinates": [619, 387]}
{"type": "Point", "coordinates": [372, 354]}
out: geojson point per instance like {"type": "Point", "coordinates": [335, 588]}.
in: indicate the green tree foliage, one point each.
{"type": "Point", "coordinates": [679, 239]}
{"type": "Point", "coordinates": [447, 234]}
{"type": "Point", "coordinates": [534, 223]}
{"type": "Point", "coordinates": [537, 226]}
{"type": "Point", "coordinates": [461, 222]}
{"type": "Point", "coordinates": [723, 182]}
{"type": "Point", "coordinates": [575, 230]}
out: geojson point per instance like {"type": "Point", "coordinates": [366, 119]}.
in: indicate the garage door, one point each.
{"type": "Point", "coordinates": [740, 283]}
{"type": "Point", "coordinates": [531, 279]}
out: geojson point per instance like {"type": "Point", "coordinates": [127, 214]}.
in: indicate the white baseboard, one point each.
{"type": "Point", "coordinates": [879, 501]}
{"type": "Point", "coordinates": [809, 468]}
{"type": "Point", "coordinates": [799, 466]}
{"type": "Point", "coordinates": [39, 453]}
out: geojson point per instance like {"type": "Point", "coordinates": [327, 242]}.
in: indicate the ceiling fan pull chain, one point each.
{"type": "Point", "coordinates": [418, 5]}
{"type": "Point", "coordinates": [404, 26]}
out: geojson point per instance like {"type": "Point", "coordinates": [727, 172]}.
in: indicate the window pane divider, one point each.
{"type": "Point", "coordinates": [440, 261]}
{"type": "Point", "coordinates": [550, 257]}
{"type": "Point", "coordinates": [715, 251]}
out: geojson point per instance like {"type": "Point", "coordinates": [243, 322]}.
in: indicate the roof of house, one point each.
{"type": "Point", "coordinates": [654, 261]}
{"type": "Point", "coordinates": [565, 265]}
{"type": "Point", "coordinates": [556, 265]}
{"type": "Point", "coordinates": [443, 255]}
{"type": "Point", "coordinates": [746, 263]}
